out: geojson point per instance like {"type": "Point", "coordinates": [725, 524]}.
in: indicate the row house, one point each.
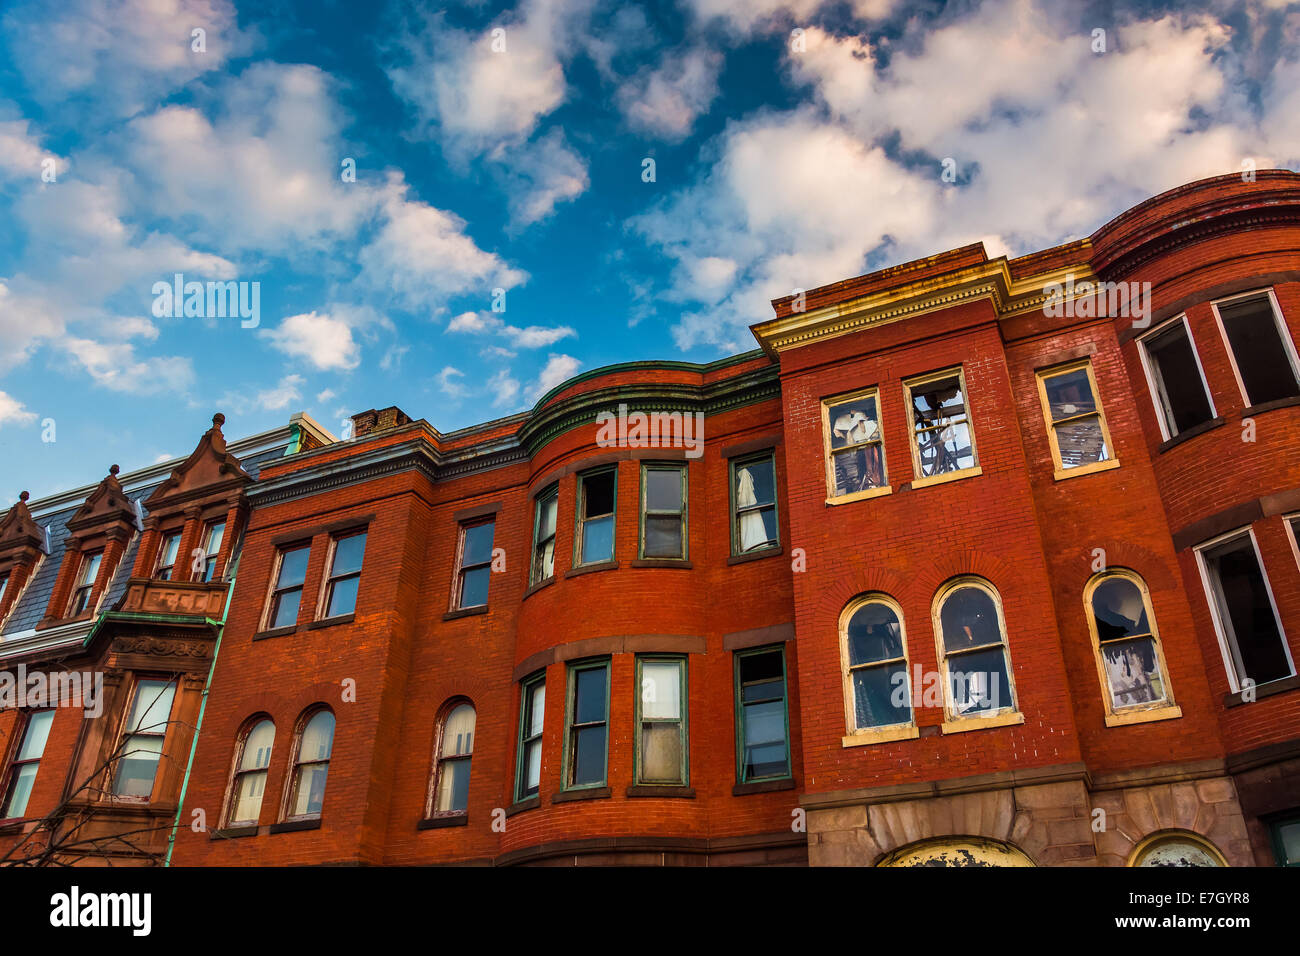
{"type": "Point", "coordinates": [974, 561]}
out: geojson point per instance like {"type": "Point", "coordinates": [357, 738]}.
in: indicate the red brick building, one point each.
{"type": "Point", "coordinates": [974, 561]}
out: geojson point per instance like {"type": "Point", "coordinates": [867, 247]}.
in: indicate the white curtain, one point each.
{"type": "Point", "coordinates": [752, 533]}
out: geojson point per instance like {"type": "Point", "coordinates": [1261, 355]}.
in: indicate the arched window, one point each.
{"type": "Point", "coordinates": [873, 658]}
{"type": "Point", "coordinates": [1176, 848]}
{"type": "Point", "coordinates": [311, 764]}
{"type": "Point", "coordinates": [973, 651]}
{"type": "Point", "coordinates": [1130, 661]}
{"type": "Point", "coordinates": [452, 761]}
{"type": "Point", "coordinates": [252, 758]}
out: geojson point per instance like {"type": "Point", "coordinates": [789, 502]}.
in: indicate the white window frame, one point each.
{"type": "Point", "coordinates": [1225, 649]}
{"type": "Point", "coordinates": [1284, 333]}
{"type": "Point", "coordinates": [853, 734]}
{"type": "Point", "coordinates": [1148, 368]}
{"type": "Point", "coordinates": [1288, 522]}
{"type": "Point", "coordinates": [1005, 715]}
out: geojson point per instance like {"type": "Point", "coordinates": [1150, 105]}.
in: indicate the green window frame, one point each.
{"type": "Point", "coordinates": [582, 521]}
{"type": "Point", "coordinates": [663, 515]}
{"type": "Point", "coordinates": [759, 694]}
{"type": "Point", "coordinates": [582, 724]}
{"type": "Point", "coordinates": [652, 721]}
{"type": "Point", "coordinates": [757, 509]}
{"type": "Point", "coordinates": [1291, 824]}
{"type": "Point", "coordinates": [532, 718]}
{"type": "Point", "coordinates": [544, 536]}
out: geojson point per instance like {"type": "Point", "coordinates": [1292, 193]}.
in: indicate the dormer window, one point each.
{"type": "Point", "coordinates": [167, 556]}
{"type": "Point", "coordinates": [212, 537]}
{"type": "Point", "coordinates": [85, 582]}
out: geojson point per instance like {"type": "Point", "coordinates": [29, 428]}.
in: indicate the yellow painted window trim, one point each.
{"type": "Point", "coordinates": [871, 734]}
{"type": "Point", "coordinates": [1161, 836]}
{"type": "Point", "coordinates": [861, 495]}
{"type": "Point", "coordinates": [1150, 715]}
{"type": "Point", "coordinates": [1060, 471]}
{"type": "Point", "coordinates": [881, 735]}
{"type": "Point", "coordinates": [962, 724]}
{"type": "Point", "coordinates": [948, 476]}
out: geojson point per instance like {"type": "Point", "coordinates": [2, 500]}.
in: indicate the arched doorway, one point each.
{"type": "Point", "coordinates": [1176, 848]}
{"type": "Point", "coordinates": [957, 851]}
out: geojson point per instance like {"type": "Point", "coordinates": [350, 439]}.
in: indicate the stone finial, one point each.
{"type": "Point", "coordinates": [218, 420]}
{"type": "Point", "coordinates": [23, 496]}
{"type": "Point", "coordinates": [114, 470]}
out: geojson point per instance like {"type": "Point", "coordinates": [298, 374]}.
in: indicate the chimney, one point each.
{"type": "Point", "coordinates": [378, 420]}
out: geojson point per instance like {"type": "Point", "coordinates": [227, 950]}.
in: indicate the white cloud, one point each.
{"type": "Point", "coordinates": [542, 175]}
{"type": "Point", "coordinates": [14, 412]}
{"type": "Point", "coordinates": [115, 366]}
{"type": "Point", "coordinates": [325, 395]}
{"type": "Point", "coordinates": [450, 382]}
{"type": "Point", "coordinates": [558, 368]}
{"type": "Point", "coordinates": [504, 388]}
{"type": "Point", "coordinates": [666, 100]}
{"type": "Point", "coordinates": [529, 337]}
{"type": "Point", "coordinates": [276, 398]}
{"type": "Point", "coordinates": [748, 16]}
{"type": "Point", "coordinates": [324, 341]}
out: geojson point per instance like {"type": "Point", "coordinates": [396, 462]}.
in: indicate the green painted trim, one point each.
{"type": "Point", "coordinates": [740, 712]}
{"type": "Point", "coordinates": [570, 694]}
{"type": "Point", "coordinates": [578, 520]}
{"type": "Point", "coordinates": [649, 365]}
{"type": "Point", "coordinates": [538, 500]}
{"type": "Point", "coordinates": [683, 729]}
{"type": "Point", "coordinates": [683, 471]}
{"type": "Point", "coordinates": [732, 465]}
{"type": "Point", "coordinates": [524, 686]}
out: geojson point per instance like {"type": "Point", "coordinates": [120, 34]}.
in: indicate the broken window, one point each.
{"type": "Point", "coordinates": [287, 593]}
{"type": "Point", "coordinates": [1127, 643]}
{"type": "Point", "coordinates": [311, 766]}
{"type": "Point", "coordinates": [596, 498]}
{"type": "Point", "coordinates": [345, 574]}
{"type": "Point", "coordinates": [761, 718]}
{"type": "Point", "coordinates": [25, 762]}
{"type": "Point", "coordinates": [588, 718]}
{"type": "Point", "coordinates": [1181, 395]}
{"type": "Point", "coordinates": [977, 680]}
{"type": "Point", "coordinates": [875, 665]}
{"type": "Point", "coordinates": [532, 710]}
{"type": "Point", "coordinates": [1263, 354]}
{"type": "Point", "coordinates": [661, 717]}
{"type": "Point", "coordinates": [663, 511]}
{"type": "Point", "coordinates": [475, 566]}
{"type": "Point", "coordinates": [143, 735]}
{"type": "Point", "coordinates": [171, 544]}
{"type": "Point", "coordinates": [86, 575]}
{"type": "Point", "coordinates": [753, 504]}
{"type": "Point", "coordinates": [941, 435]}
{"type": "Point", "coordinates": [854, 444]}
{"type": "Point", "coordinates": [544, 535]}
{"type": "Point", "coordinates": [1246, 619]}
{"type": "Point", "coordinates": [1076, 424]}
{"type": "Point", "coordinates": [455, 752]}
{"type": "Point", "coordinates": [249, 785]}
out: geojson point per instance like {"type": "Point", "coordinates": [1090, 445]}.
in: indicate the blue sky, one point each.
{"type": "Point", "coordinates": [794, 142]}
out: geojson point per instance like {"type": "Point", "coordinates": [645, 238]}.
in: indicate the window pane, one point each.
{"type": "Point", "coordinates": [880, 696]}
{"type": "Point", "coordinates": [248, 798]}
{"type": "Point", "coordinates": [1132, 672]}
{"type": "Point", "coordinates": [858, 469]}
{"type": "Point", "coordinates": [756, 483]}
{"type": "Point", "coordinates": [663, 489]}
{"type": "Point", "coordinates": [1243, 601]}
{"type": "Point", "coordinates": [458, 732]}
{"type": "Point", "coordinates": [546, 517]}
{"type": "Point", "coordinates": [764, 753]}
{"type": "Point", "coordinates": [661, 690]}
{"type": "Point", "coordinates": [1288, 835]}
{"type": "Point", "coordinates": [257, 747]}
{"type": "Point", "coordinates": [151, 708]}
{"type": "Point", "coordinates": [978, 682]}
{"type": "Point", "coordinates": [598, 495]}
{"type": "Point", "coordinates": [589, 755]}
{"type": "Point", "coordinates": [598, 540]}
{"type": "Point", "coordinates": [216, 532]}
{"type": "Point", "coordinates": [453, 787]}
{"type": "Point", "coordinates": [942, 434]}
{"type": "Point", "coordinates": [310, 795]}
{"type": "Point", "coordinates": [854, 422]}
{"type": "Point", "coordinates": [1119, 610]}
{"type": "Point", "coordinates": [874, 634]}
{"type": "Point", "coordinates": [21, 791]}
{"type": "Point", "coordinates": [661, 753]}
{"type": "Point", "coordinates": [532, 766]}
{"type": "Point", "coordinates": [765, 668]}
{"type": "Point", "coordinates": [1081, 443]}
{"type": "Point", "coordinates": [589, 695]}
{"type": "Point", "coordinates": [293, 568]}
{"type": "Point", "coordinates": [1259, 351]}
{"type": "Point", "coordinates": [343, 597]}
{"type": "Point", "coordinates": [1180, 378]}
{"type": "Point", "coordinates": [348, 553]}
{"type": "Point", "coordinates": [90, 568]}
{"type": "Point", "coordinates": [317, 738]}
{"type": "Point", "coordinates": [969, 619]}
{"type": "Point", "coordinates": [663, 537]}
{"type": "Point", "coordinates": [137, 765]}
{"type": "Point", "coordinates": [286, 609]}
{"type": "Point", "coordinates": [478, 544]}
{"type": "Point", "coordinates": [35, 735]}
{"type": "Point", "coordinates": [544, 561]}
{"type": "Point", "coordinates": [536, 709]}
{"type": "Point", "coordinates": [1069, 394]}
{"type": "Point", "coordinates": [167, 558]}
{"type": "Point", "coordinates": [474, 587]}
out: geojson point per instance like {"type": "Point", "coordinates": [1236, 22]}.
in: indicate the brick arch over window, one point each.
{"type": "Point", "coordinates": [1157, 571]}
